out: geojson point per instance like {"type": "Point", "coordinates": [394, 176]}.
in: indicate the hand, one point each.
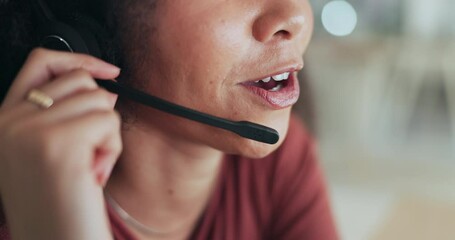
{"type": "Point", "coordinates": [53, 161]}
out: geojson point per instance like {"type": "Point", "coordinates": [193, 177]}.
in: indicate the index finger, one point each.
{"type": "Point", "coordinates": [43, 65]}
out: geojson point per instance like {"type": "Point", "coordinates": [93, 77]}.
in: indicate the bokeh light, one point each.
{"type": "Point", "coordinates": [339, 18]}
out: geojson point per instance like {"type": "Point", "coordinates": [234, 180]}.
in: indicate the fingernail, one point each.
{"type": "Point", "coordinates": [112, 67]}
{"type": "Point", "coordinates": [113, 98]}
{"type": "Point", "coordinates": [107, 174]}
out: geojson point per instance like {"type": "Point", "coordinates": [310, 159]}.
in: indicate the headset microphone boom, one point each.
{"type": "Point", "coordinates": [82, 34]}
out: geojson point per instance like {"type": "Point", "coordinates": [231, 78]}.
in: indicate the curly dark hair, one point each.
{"type": "Point", "coordinates": [18, 34]}
{"type": "Point", "coordinates": [18, 29]}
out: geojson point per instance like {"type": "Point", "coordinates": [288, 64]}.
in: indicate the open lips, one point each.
{"type": "Point", "coordinates": [273, 83]}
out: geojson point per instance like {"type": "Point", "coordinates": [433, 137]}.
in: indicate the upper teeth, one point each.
{"type": "Point", "coordinates": [279, 77]}
{"type": "Point", "coordinates": [267, 79]}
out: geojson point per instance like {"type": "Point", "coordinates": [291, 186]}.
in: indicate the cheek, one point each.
{"type": "Point", "coordinates": [205, 41]}
{"type": "Point", "coordinates": [197, 64]}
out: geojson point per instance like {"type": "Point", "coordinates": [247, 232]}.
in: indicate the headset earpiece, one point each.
{"type": "Point", "coordinates": [81, 34]}
{"type": "Point", "coordinates": [74, 33]}
{"type": "Point", "coordinates": [96, 38]}
{"type": "Point", "coordinates": [60, 36]}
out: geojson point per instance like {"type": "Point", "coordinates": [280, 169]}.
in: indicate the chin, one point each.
{"type": "Point", "coordinates": [234, 144]}
{"type": "Point", "coordinates": [253, 149]}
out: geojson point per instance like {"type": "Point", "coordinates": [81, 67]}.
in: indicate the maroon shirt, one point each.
{"type": "Point", "coordinates": [282, 196]}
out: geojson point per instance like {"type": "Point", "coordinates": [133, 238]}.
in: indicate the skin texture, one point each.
{"type": "Point", "coordinates": [219, 45]}
{"type": "Point", "coordinates": [193, 54]}
{"type": "Point", "coordinates": [48, 156]}
{"type": "Point", "coordinates": [170, 164]}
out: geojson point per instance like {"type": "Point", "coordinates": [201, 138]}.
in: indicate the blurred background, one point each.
{"type": "Point", "coordinates": [381, 80]}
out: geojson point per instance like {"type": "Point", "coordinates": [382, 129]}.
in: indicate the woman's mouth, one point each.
{"type": "Point", "coordinates": [273, 83]}
{"type": "Point", "coordinates": [279, 91]}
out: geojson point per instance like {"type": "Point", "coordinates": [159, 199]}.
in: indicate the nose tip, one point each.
{"type": "Point", "coordinates": [286, 19]}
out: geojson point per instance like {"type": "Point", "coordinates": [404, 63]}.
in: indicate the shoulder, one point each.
{"type": "Point", "coordinates": [295, 158]}
{"type": "Point", "coordinates": [294, 163]}
{"type": "Point", "coordinates": [300, 202]}
{"type": "Point", "coordinates": [4, 233]}
{"type": "Point", "coordinates": [293, 182]}
{"type": "Point", "coordinates": [275, 178]}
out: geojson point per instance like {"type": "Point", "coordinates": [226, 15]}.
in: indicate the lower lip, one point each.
{"type": "Point", "coordinates": [283, 98]}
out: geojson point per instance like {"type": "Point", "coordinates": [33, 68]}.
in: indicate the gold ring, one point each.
{"type": "Point", "coordinates": [40, 99]}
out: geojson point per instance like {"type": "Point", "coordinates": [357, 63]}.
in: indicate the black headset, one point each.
{"type": "Point", "coordinates": [82, 34]}
{"type": "Point", "coordinates": [75, 33]}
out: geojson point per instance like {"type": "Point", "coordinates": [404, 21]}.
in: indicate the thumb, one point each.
{"type": "Point", "coordinates": [106, 155]}
{"type": "Point", "coordinates": [104, 162]}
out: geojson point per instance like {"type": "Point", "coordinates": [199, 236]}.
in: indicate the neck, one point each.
{"type": "Point", "coordinates": [163, 182]}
